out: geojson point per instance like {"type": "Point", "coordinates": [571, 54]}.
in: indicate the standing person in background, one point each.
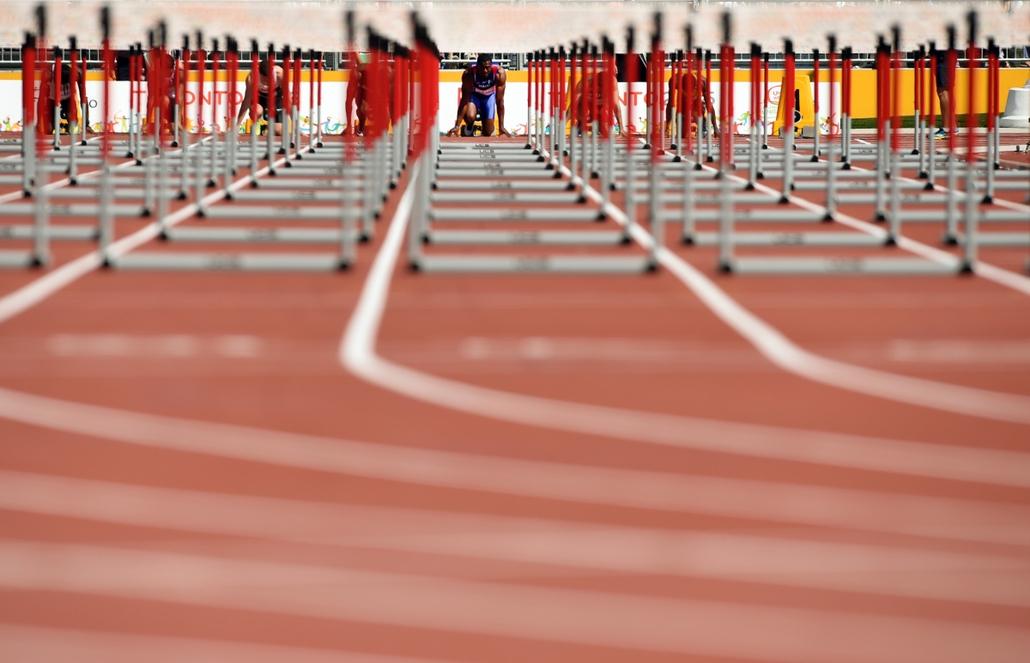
{"type": "Point", "coordinates": [482, 94]}
{"type": "Point", "coordinates": [942, 93]}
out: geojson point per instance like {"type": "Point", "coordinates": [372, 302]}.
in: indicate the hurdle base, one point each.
{"type": "Point", "coordinates": [18, 260]}
{"type": "Point", "coordinates": [457, 264]}
{"type": "Point", "coordinates": [525, 238]}
{"type": "Point", "coordinates": [230, 262]}
{"type": "Point", "coordinates": [493, 214]}
{"type": "Point", "coordinates": [843, 266]}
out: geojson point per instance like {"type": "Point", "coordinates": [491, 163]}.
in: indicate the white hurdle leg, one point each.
{"type": "Point", "coordinates": [726, 222]}
{"type": "Point", "coordinates": [972, 212]}
{"type": "Point", "coordinates": [951, 203]}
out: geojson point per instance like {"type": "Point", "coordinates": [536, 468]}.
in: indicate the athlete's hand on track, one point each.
{"type": "Point", "coordinates": [453, 132]}
{"type": "Point", "coordinates": [504, 132]}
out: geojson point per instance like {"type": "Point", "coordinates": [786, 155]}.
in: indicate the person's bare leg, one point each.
{"type": "Point", "coordinates": [945, 100]}
{"type": "Point", "coordinates": [469, 116]}
{"type": "Point", "coordinates": [362, 113]}
{"type": "Point", "coordinates": [488, 127]}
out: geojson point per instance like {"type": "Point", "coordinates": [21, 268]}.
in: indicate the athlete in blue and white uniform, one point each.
{"type": "Point", "coordinates": [482, 94]}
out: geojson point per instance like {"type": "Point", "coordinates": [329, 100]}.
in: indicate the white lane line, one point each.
{"type": "Point", "coordinates": [37, 644]}
{"type": "Point", "coordinates": [160, 346]}
{"type": "Point", "coordinates": [792, 358]}
{"type": "Point", "coordinates": [785, 557]}
{"type": "Point", "coordinates": [785, 504]}
{"type": "Point", "coordinates": [590, 618]}
{"type": "Point", "coordinates": [358, 355]}
{"type": "Point", "coordinates": [33, 293]}
{"type": "Point", "coordinates": [954, 351]}
{"type": "Point", "coordinates": [664, 491]}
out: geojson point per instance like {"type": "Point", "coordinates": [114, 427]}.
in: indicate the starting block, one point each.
{"type": "Point", "coordinates": [248, 126]}
{"type": "Point", "coordinates": [804, 109]}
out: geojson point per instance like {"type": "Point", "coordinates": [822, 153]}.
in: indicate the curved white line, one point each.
{"type": "Point", "coordinates": [357, 353]}
{"type": "Point", "coordinates": [793, 358]}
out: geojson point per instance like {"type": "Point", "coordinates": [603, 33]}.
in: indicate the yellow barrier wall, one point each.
{"type": "Point", "coordinates": [863, 96]}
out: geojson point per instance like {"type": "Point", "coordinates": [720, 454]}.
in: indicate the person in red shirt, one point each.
{"type": "Point", "coordinates": [678, 99]}
{"type": "Point", "coordinates": [587, 83]}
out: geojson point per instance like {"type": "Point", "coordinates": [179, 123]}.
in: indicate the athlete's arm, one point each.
{"type": "Point", "coordinates": [180, 93]}
{"type": "Point", "coordinates": [466, 98]}
{"type": "Point", "coordinates": [280, 78]}
{"type": "Point", "coordinates": [712, 119]}
{"type": "Point", "coordinates": [245, 105]}
{"type": "Point", "coordinates": [502, 82]}
{"type": "Point", "coordinates": [669, 103]}
{"type": "Point", "coordinates": [574, 102]}
{"type": "Point", "coordinates": [616, 104]}
{"type": "Point", "coordinates": [80, 86]}
{"type": "Point", "coordinates": [353, 83]}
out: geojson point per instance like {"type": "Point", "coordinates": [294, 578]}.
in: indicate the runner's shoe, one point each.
{"type": "Point", "coordinates": [941, 134]}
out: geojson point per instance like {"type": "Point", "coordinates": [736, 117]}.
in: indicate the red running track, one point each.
{"type": "Point", "coordinates": [188, 471]}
